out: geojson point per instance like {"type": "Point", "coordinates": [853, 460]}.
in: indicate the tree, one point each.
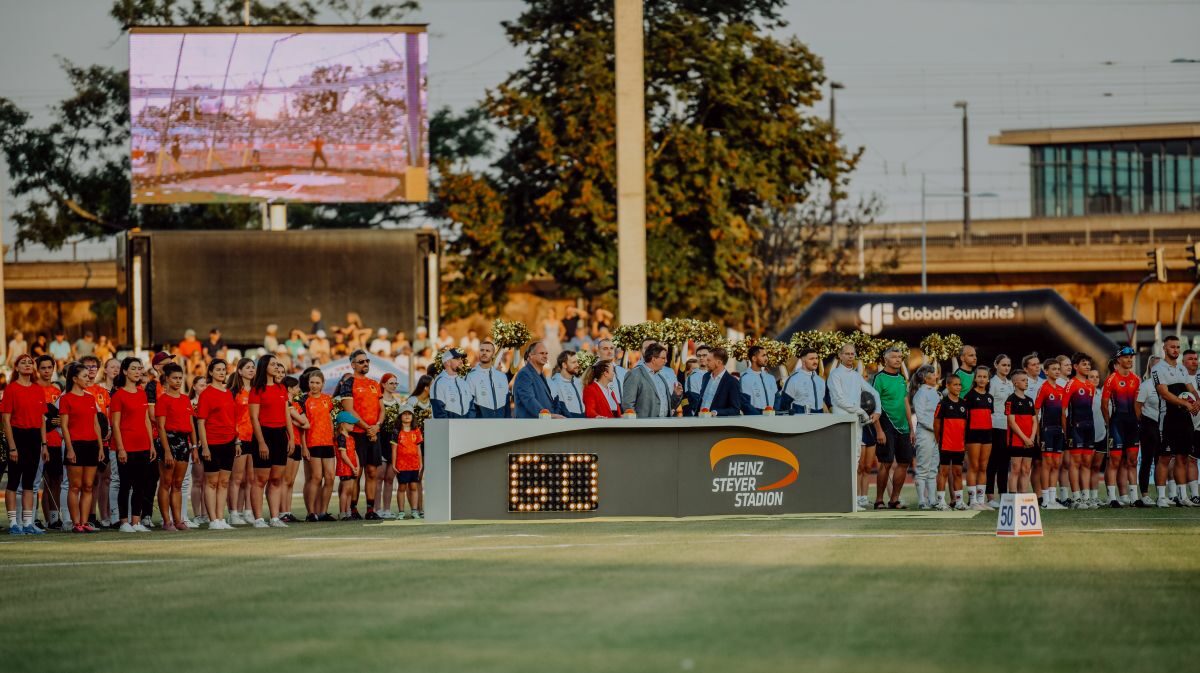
{"type": "Point", "coordinates": [730, 135]}
{"type": "Point", "coordinates": [71, 178]}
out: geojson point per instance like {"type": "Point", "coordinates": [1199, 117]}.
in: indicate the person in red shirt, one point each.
{"type": "Point", "coordinates": [1119, 407]}
{"type": "Point", "coordinates": [176, 441]}
{"type": "Point", "coordinates": [317, 447]}
{"type": "Point", "coordinates": [363, 396]}
{"type": "Point", "coordinates": [81, 435]}
{"type": "Point", "coordinates": [216, 429]}
{"type": "Point", "coordinates": [273, 434]}
{"type": "Point", "coordinates": [91, 365]}
{"type": "Point", "coordinates": [52, 471]}
{"type": "Point", "coordinates": [299, 425]}
{"type": "Point", "coordinates": [950, 427]}
{"type": "Point", "coordinates": [406, 457]}
{"type": "Point", "coordinates": [23, 410]}
{"type": "Point", "coordinates": [242, 477]}
{"type": "Point", "coordinates": [108, 482]}
{"type": "Point", "coordinates": [1079, 424]}
{"type": "Point", "coordinates": [979, 437]}
{"type": "Point", "coordinates": [1022, 434]}
{"type": "Point", "coordinates": [131, 438]}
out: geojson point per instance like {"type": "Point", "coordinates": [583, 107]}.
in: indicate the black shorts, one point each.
{"type": "Point", "coordinates": [1052, 439]}
{"type": "Point", "coordinates": [979, 436]}
{"type": "Point", "coordinates": [177, 444]}
{"type": "Point", "coordinates": [1149, 436]}
{"type": "Point", "coordinates": [1101, 445]}
{"type": "Point", "coordinates": [348, 478]}
{"type": "Point", "coordinates": [1124, 432]}
{"type": "Point", "coordinates": [296, 454]}
{"type": "Point", "coordinates": [87, 453]}
{"type": "Point", "coordinates": [951, 457]}
{"type": "Point", "coordinates": [220, 457]}
{"type": "Point", "coordinates": [22, 472]}
{"type": "Point", "coordinates": [369, 452]}
{"type": "Point", "coordinates": [277, 453]}
{"type": "Point", "coordinates": [320, 452]}
{"type": "Point", "coordinates": [1175, 435]}
{"type": "Point", "coordinates": [1022, 452]}
{"type": "Point", "coordinates": [868, 436]}
{"type": "Point", "coordinates": [898, 449]}
{"type": "Point", "coordinates": [1083, 436]}
{"type": "Point", "coordinates": [408, 476]}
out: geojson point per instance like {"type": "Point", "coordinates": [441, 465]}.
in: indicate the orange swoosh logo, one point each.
{"type": "Point", "coordinates": [744, 446]}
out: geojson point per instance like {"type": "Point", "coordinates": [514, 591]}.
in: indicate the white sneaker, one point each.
{"type": "Point", "coordinates": [923, 507]}
{"type": "Point", "coordinates": [1147, 501]}
{"type": "Point", "coordinates": [1164, 503]}
{"type": "Point", "coordinates": [259, 523]}
{"type": "Point", "coordinates": [387, 514]}
{"type": "Point", "coordinates": [1094, 504]}
{"type": "Point", "coordinates": [993, 503]}
{"type": "Point", "coordinates": [248, 515]}
{"type": "Point", "coordinates": [978, 506]}
{"type": "Point", "coordinates": [942, 507]}
{"type": "Point", "coordinates": [148, 523]}
{"type": "Point", "coordinates": [235, 518]}
{"type": "Point", "coordinates": [1054, 505]}
{"type": "Point", "coordinates": [960, 506]}
{"type": "Point", "coordinates": [198, 521]}
{"type": "Point", "coordinates": [217, 525]}
{"type": "Point", "coordinates": [140, 528]}
{"type": "Point", "coordinates": [126, 528]}
{"type": "Point", "coordinates": [1185, 502]}
{"type": "Point", "coordinates": [275, 523]}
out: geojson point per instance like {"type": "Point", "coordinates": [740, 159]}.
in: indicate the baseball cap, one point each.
{"type": "Point", "coordinates": [1127, 350]}
{"type": "Point", "coordinates": [454, 354]}
{"type": "Point", "coordinates": [383, 331]}
{"type": "Point", "coordinates": [159, 358]}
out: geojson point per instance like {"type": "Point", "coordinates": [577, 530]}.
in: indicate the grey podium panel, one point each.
{"type": "Point", "coordinates": [651, 467]}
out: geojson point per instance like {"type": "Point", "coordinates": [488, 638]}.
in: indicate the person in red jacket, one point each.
{"type": "Point", "coordinates": [598, 399]}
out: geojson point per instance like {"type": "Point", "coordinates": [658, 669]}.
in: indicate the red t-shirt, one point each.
{"type": "Point", "coordinates": [52, 393]}
{"type": "Point", "coordinates": [133, 408]}
{"type": "Point", "coordinates": [81, 416]}
{"type": "Point", "coordinates": [245, 430]}
{"type": "Point", "coordinates": [27, 404]}
{"type": "Point", "coordinates": [219, 413]}
{"type": "Point", "coordinates": [954, 424]}
{"type": "Point", "coordinates": [102, 397]}
{"type": "Point", "coordinates": [317, 409]}
{"type": "Point", "coordinates": [177, 411]}
{"type": "Point", "coordinates": [408, 450]}
{"type": "Point", "coordinates": [272, 404]}
{"type": "Point", "coordinates": [367, 395]}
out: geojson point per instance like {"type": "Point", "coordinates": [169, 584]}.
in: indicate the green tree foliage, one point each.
{"type": "Point", "coordinates": [71, 177]}
{"type": "Point", "coordinates": [731, 136]}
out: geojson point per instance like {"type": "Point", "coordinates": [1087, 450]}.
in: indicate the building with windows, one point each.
{"type": "Point", "coordinates": [1104, 170]}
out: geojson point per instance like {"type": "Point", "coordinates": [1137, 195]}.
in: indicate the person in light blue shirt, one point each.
{"type": "Point", "coordinates": [489, 387]}
{"type": "Point", "coordinates": [694, 381]}
{"type": "Point", "coordinates": [758, 387]}
{"type": "Point", "coordinates": [565, 386]}
{"type": "Point", "coordinates": [450, 395]}
{"type": "Point", "coordinates": [804, 390]}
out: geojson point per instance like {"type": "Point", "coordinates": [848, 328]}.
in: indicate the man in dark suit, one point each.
{"type": "Point", "coordinates": [531, 393]}
{"type": "Point", "coordinates": [719, 392]}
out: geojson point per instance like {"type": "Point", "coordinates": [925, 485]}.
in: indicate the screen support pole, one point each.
{"type": "Point", "coordinates": [631, 161]}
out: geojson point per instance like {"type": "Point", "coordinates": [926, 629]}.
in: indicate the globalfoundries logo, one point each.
{"type": "Point", "coordinates": [872, 318]}
{"type": "Point", "coordinates": [747, 467]}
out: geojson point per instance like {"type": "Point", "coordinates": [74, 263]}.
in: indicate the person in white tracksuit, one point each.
{"type": "Point", "coordinates": [924, 404]}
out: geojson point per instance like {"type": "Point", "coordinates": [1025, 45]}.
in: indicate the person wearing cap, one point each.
{"type": "Point", "coordinates": [450, 394]}
{"type": "Point", "coordinates": [406, 457]}
{"type": "Point", "coordinates": [531, 393]}
{"type": "Point", "coordinates": [381, 345]}
{"type": "Point", "coordinates": [189, 346]}
{"type": "Point", "coordinates": [1118, 399]}
{"type": "Point", "coordinates": [489, 388]}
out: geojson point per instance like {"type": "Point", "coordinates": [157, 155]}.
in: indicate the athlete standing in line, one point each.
{"type": "Point", "coordinates": [1049, 404]}
{"type": "Point", "coordinates": [1080, 428]}
{"type": "Point", "coordinates": [1179, 401]}
{"type": "Point", "coordinates": [979, 437]}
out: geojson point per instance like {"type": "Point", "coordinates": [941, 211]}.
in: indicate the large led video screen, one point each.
{"type": "Point", "coordinates": [321, 114]}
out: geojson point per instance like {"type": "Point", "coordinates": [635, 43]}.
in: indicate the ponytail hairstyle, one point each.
{"type": "Point", "coordinates": [73, 369]}
{"type": "Point", "coordinates": [121, 379]}
{"type": "Point", "coordinates": [262, 378]}
{"type": "Point", "coordinates": [596, 371]}
{"type": "Point", "coordinates": [236, 386]}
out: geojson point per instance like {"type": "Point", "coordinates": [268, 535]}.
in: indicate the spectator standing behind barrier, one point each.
{"type": "Point", "coordinates": [694, 380]}
{"type": "Point", "coordinates": [719, 391]}
{"type": "Point", "coordinates": [488, 387]}
{"type": "Point", "coordinates": [531, 393]}
{"type": "Point", "coordinates": [450, 395]}
{"type": "Point", "coordinates": [804, 390]}
{"type": "Point", "coordinates": [599, 401]}
{"type": "Point", "coordinates": [645, 391]}
{"type": "Point", "coordinates": [564, 385]}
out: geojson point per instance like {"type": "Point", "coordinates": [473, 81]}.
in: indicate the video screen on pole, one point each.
{"type": "Point", "coordinates": [321, 114]}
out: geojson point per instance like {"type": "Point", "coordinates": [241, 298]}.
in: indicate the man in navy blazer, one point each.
{"type": "Point", "coordinates": [531, 393]}
{"type": "Point", "coordinates": [724, 397]}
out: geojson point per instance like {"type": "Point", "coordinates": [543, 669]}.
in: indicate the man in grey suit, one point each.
{"type": "Point", "coordinates": [645, 391]}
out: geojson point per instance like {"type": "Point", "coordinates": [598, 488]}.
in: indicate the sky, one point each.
{"type": "Point", "coordinates": [1017, 63]}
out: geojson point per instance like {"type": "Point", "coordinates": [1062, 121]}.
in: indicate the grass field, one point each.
{"type": "Point", "coordinates": [1103, 590]}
